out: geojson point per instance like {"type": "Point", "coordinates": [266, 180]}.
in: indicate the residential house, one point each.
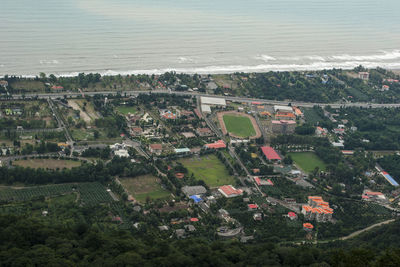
{"type": "Point", "coordinates": [156, 149]}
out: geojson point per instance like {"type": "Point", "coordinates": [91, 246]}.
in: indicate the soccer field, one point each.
{"type": "Point", "coordinates": [307, 161]}
{"type": "Point", "coordinates": [239, 125]}
{"type": "Point", "coordinates": [209, 169]}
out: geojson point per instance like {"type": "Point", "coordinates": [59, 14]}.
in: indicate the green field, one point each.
{"type": "Point", "coordinates": [143, 187]}
{"type": "Point", "coordinates": [47, 163]}
{"type": "Point", "coordinates": [126, 110]}
{"type": "Point", "coordinates": [239, 125]}
{"type": "Point", "coordinates": [307, 161]}
{"type": "Point", "coordinates": [209, 169]}
{"type": "Point", "coordinates": [311, 116]}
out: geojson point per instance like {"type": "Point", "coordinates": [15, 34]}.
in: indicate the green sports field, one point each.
{"type": "Point", "coordinates": [126, 110]}
{"type": "Point", "coordinates": [307, 161]}
{"type": "Point", "coordinates": [239, 125]}
{"type": "Point", "coordinates": [209, 169]}
{"type": "Point", "coordinates": [145, 186]}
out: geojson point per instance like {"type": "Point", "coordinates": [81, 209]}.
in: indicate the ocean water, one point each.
{"type": "Point", "coordinates": [210, 36]}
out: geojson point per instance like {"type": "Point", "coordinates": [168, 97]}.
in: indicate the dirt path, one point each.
{"type": "Point", "coordinates": [220, 116]}
{"type": "Point", "coordinates": [356, 233]}
{"type": "Point", "coordinates": [82, 113]}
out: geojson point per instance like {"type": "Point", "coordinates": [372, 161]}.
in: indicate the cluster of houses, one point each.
{"type": "Point", "coordinates": [317, 209]}
{"type": "Point", "coordinates": [285, 119]}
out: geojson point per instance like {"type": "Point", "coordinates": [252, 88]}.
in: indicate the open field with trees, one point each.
{"type": "Point", "coordinates": [47, 163]}
{"type": "Point", "coordinates": [126, 109]}
{"type": "Point", "coordinates": [209, 169]}
{"type": "Point", "coordinates": [308, 161]}
{"type": "Point", "coordinates": [145, 187]}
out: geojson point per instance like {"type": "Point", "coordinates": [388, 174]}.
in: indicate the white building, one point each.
{"type": "Point", "coordinates": [283, 108]}
{"type": "Point", "coordinates": [213, 101]}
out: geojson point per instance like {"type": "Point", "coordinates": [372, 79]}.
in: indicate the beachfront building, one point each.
{"type": "Point", "coordinates": [363, 75]}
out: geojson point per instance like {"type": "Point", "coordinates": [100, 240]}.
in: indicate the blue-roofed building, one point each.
{"type": "Point", "coordinates": [389, 178]}
{"type": "Point", "coordinates": [196, 198]}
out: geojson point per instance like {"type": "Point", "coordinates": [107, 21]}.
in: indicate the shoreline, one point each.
{"type": "Point", "coordinates": [220, 70]}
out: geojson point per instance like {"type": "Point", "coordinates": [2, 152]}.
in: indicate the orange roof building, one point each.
{"type": "Point", "coordinates": [317, 209]}
{"type": "Point", "coordinates": [229, 191]}
{"type": "Point", "coordinates": [308, 226]}
{"type": "Point", "coordinates": [216, 145]}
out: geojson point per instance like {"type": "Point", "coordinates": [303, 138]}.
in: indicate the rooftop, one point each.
{"type": "Point", "coordinates": [270, 153]}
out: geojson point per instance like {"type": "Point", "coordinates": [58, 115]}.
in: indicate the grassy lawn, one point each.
{"type": "Point", "coordinates": [126, 109]}
{"type": "Point", "coordinates": [307, 161]}
{"type": "Point", "coordinates": [145, 186]}
{"type": "Point", "coordinates": [47, 163]}
{"type": "Point", "coordinates": [238, 125]}
{"type": "Point", "coordinates": [209, 169]}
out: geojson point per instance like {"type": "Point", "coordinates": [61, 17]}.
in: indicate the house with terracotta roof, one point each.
{"type": "Point", "coordinates": [298, 112]}
{"type": "Point", "coordinates": [230, 191]}
{"type": "Point", "coordinates": [261, 182]}
{"type": "Point", "coordinates": [252, 206]}
{"type": "Point", "coordinates": [321, 131]}
{"type": "Point", "coordinates": [216, 145]}
{"type": "Point", "coordinates": [283, 115]}
{"type": "Point", "coordinates": [135, 131]}
{"type": "Point", "coordinates": [57, 88]}
{"type": "Point", "coordinates": [308, 227]}
{"type": "Point", "coordinates": [156, 149]}
{"type": "Point", "coordinates": [270, 154]}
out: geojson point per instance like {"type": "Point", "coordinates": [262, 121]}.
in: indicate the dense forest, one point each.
{"type": "Point", "coordinates": [29, 242]}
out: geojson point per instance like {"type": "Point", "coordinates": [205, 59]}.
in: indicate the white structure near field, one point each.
{"type": "Point", "coordinates": [214, 101]}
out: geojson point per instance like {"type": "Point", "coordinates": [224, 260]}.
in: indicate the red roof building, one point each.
{"type": "Point", "coordinates": [308, 226]}
{"type": "Point", "coordinates": [270, 153]}
{"type": "Point", "coordinates": [252, 206]}
{"type": "Point", "coordinates": [194, 219]}
{"type": "Point", "coordinates": [230, 191]}
{"type": "Point", "coordinates": [216, 145]}
{"type": "Point", "coordinates": [292, 215]}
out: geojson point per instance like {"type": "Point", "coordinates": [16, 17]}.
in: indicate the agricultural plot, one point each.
{"type": "Point", "coordinates": [93, 193]}
{"type": "Point", "coordinates": [47, 163]}
{"type": "Point", "coordinates": [308, 161]}
{"type": "Point", "coordinates": [28, 193]}
{"type": "Point", "coordinates": [144, 187]}
{"type": "Point", "coordinates": [89, 193]}
{"type": "Point", "coordinates": [209, 169]}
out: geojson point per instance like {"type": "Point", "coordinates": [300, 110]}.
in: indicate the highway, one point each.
{"type": "Point", "coordinates": [230, 98]}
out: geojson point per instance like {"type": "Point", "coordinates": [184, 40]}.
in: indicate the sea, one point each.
{"type": "Point", "coordinates": [110, 37]}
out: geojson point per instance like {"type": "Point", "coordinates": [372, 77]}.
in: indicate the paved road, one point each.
{"type": "Point", "coordinates": [231, 98]}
